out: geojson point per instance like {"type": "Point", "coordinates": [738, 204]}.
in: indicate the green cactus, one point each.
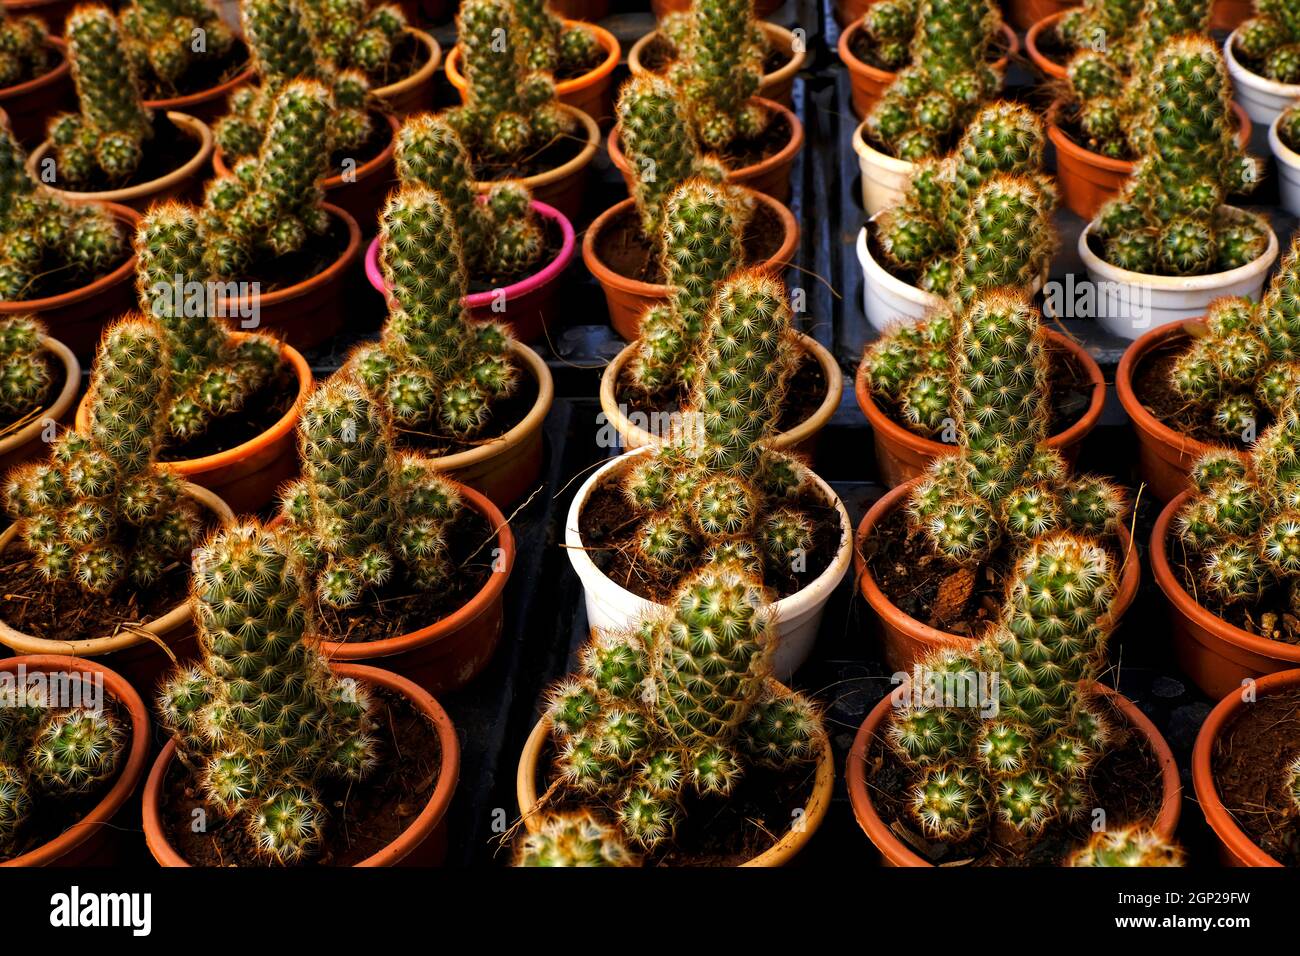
{"type": "Point", "coordinates": [1270, 41]}
{"type": "Point", "coordinates": [888, 26]}
{"type": "Point", "coordinates": [434, 368]}
{"type": "Point", "coordinates": [25, 372]}
{"type": "Point", "coordinates": [169, 41]}
{"type": "Point", "coordinates": [350, 34]}
{"type": "Point", "coordinates": [1288, 128]}
{"type": "Point", "coordinates": [107, 138]}
{"type": "Point", "coordinates": [573, 839]}
{"type": "Point", "coordinates": [284, 51]}
{"type": "Point", "coordinates": [264, 722]}
{"type": "Point", "coordinates": [553, 46]}
{"type": "Point", "coordinates": [15, 805]}
{"type": "Point", "coordinates": [100, 511]}
{"type": "Point", "coordinates": [25, 49]}
{"type": "Point", "coordinates": [1131, 846]}
{"type": "Point", "coordinates": [1098, 25]}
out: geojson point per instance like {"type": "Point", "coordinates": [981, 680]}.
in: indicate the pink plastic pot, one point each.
{"type": "Point", "coordinates": [526, 306]}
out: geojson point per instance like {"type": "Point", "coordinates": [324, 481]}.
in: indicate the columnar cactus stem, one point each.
{"type": "Point", "coordinates": [25, 374]}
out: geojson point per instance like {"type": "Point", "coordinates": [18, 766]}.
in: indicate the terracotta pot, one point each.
{"type": "Point", "coordinates": [207, 105]}
{"type": "Point", "coordinates": [592, 93]}
{"type": "Point", "coordinates": [904, 638]}
{"type": "Point", "coordinates": [564, 186]}
{"type": "Point", "coordinates": [771, 176]}
{"type": "Point", "coordinates": [777, 85]}
{"type": "Point", "coordinates": [415, 93]}
{"type": "Point", "coordinates": [181, 183]}
{"type": "Point", "coordinates": [1230, 14]}
{"type": "Point", "coordinates": [306, 313]}
{"type": "Point", "coordinates": [363, 198]}
{"type": "Point", "coordinates": [1045, 25]}
{"type": "Point", "coordinates": [247, 476]}
{"type": "Point", "coordinates": [78, 317]}
{"type": "Point", "coordinates": [1023, 14]}
{"type": "Point", "coordinates": [133, 653]}
{"type": "Point", "coordinates": [868, 83]}
{"type": "Point", "coordinates": [894, 852]}
{"type": "Point", "coordinates": [581, 9]}
{"type": "Point", "coordinates": [31, 104]}
{"type": "Point", "coordinates": [25, 443]}
{"type": "Point", "coordinates": [1165, 457]}
{"type": "Point", "coordinates": [779, 854]}
{"type": "Point", "coordinates": [799, 440]}
{"type": "Point", "coordinates": [94, 840]}
{"type": "Point", "coordinates": [1088, 179]}
{"type": "Point", "coordinates": [449, 653]}
{"type": "Point", "coordinates": [423, 843]}
{"type": "Point", "coordinates": [1213, 653]}
{"type": "Point", "coordinates": [628, 299]}
{"type": "Point", "coordinates": [530, 306]}
{"type": "Point", "coordinates": [902, 455]}
{"type": "Point", "coordinates": [53, 12]}
{"type": "Point", "coordinates": [661, 8]}
{"type": "Point", "coordinates": [1236, 848]}
{"type": "Point", "coordinates": [847, 11]}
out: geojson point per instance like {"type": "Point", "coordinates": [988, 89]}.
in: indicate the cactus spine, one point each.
{"type": "Point", "coordinates": [1130, 846]}
{"type": "Point", "coordinates": [573, 839]}
{"type": "Point", "coordinates": [25, 375]}
{"type": "Point", "coordinates": [162, 38]}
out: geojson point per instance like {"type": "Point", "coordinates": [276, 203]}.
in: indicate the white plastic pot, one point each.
{"type": "Point", "coordinates": [1131, 303]}
{"type": "Point", "coordinates": [1262, 99]}
{"type": "Point", "coordinates": [884, 178]}
{"type": "Point", "coordinates": [1288, 169]}
{"type": "Point", "coordinates": [798, 617]}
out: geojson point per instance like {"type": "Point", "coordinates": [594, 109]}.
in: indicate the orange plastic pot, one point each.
{"type": "Point", "coordinates": [581, 9]}
{"type": "Point", "coordinates": [593, 92]}
{"type": "Point", "coordinates": [894, 852]}
{"type": "Point", "coordinates": [94, 840]}
{"type": "Point", "coordinates": [78, 317]}
{"type": "Point", "coordinates": [53, 12]}
{"type": "Point", "coordinates": [905, 639]}
{"type": "Point", "coordinates": [902, 455]}
{"type": "Point", "coordinates": [1045, 25]}
{"type": "Point", "coordinates": [1165, 457]}
{"type": "Point", "coordinates": [662, 8]}
{"type": "Point", "coordinates": [1230, 14]}
{"type": "Point", "coordinates": [423, 843]}
{"type": "Point", "coordinates": [1209, 650]}
{"type": "Point", "coordinates": [564, 186]}
{"type": "Point", "coordinates": [449, 653]}
{"type": "Point", "coordinates": [26, 443]}
{"type": "Point", "coordinates": [208, 105]}
{"type": "Point", "coordinates": [628, 299]}
{"type": "Point", "coordinates": [849, 11]}
{"type": "Point", "coordinates": [246, 477]}
{"type": "Point", "coordinates": [1023, 14]}
{"type": "Point", "coordinates": [868, 83]}
{"type": "Point", "coordinates": [414, 93]}
{"type": "Point", "coordinates": [30, 104]}
{"type": "Point", "coordinates": [1236, 848]}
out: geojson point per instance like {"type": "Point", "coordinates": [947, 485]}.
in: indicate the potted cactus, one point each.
{"type": "Point", "coordinates": [674, 735]}
{"type": "Point", "coordinates": [651, 379]}
{"type": "Point", "coordinates": [1169, 244]}
{"type": "Point", "coordinates": [515, 249]}
{"type": "Point", "coordinates": [1223, 554]}
{"type": "Point", "coordinates": [1104, 26]}
{"type": "Point", "coordinates": [1006, 752]}
{"type": "Point", "coordinates": [461, 389]}
{"type": "Point", "coordinates": [624, 246]}
{"type": "Point", "coordinates": [116, 149]}
{"type": "Point", "coordinates": [1221, 380]}
{"type": "Point", "coordinates": [1284, 139]}
{"type": "Point", "coordinates": [877, 45]}
{"type": "Point", "coordinates": [35, 76]}
{"type": "Point", "coordinates": [305, 775]}
{"type": "Point", "coordinates": [580, 56]}
{"type": "Point", "coordinates": [1263, 57]}
{"type": "Point", "coordinates": [70, 266]}
{"type": "Point", "coordinates": [931, 550]}
{"type": "Point", "coordinates": [74, 736]}
{"type": "Point", "coordinates": [38, 387]}
{"type": "Point", "coordinates": [1246, 770]}
{"type": "Point", "coordinates": [780, 53]}
{"type": "Point", "coordinates": [185, 58]}
{"type": "Point", "coordinates": [645, 521]}
{"type": "Point", "coordinates": [401, 562]}
{"type": "Point", "coordinates": [96, 559]}
{"type": "Point", "coordinates": [511, 121]}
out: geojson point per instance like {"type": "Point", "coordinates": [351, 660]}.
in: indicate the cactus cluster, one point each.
{"type": "Point", "coordinates": [364, 512]}
{"type": "Point", "coordinates": [25, 373]}
{"type": "Point", "coordinates": [284, 50]}
{"type": "Point", "coordinates": [41, 236]}
{"type": "Point", "coordinates": [170, 41]}
{"type": "Point", "coordinates": [678, 709]}
{"type": "Point", "coordinates": [930, 101]}
{"type": "Point", "coordinates": [573, 839]}
{"type": "Point", "coordinates": [100, 511]}
{"type": "Point", "coordinates": [106, 140]}
{"type": "Point", "coordinates": [25, 51]}
{"type": "Point", "coordinates": [350, 34]}
{"type": "Point", "coordinates": [1098, 25]}
{"type": "Point", "coordinates": [1247, 362]}
{"type": "Point", "coordinates": [979, 217]}
{"type": "Point", "coordinates": [1171, 218]}
{"type": "Point", "coordinates": [511, 110]}
{"type": "Point", "coordinates": [434, 369]}
{"type": "Point", "coordinates": [889, 26]}
{"type": "Point", "coordinates": [500, 237]}
{"type": "Point", "coordinates": [1022, 765]}
{"type": "Point", "coordinates": [1271, 40]}
{"type": "Point", "coordinates": [52, 753]}
{"type": "Point", "coordinates": [260, 721]}
{"type": "Point", "coordinates": [553, 46]}
{"type": "Point", "coordinates": [213, 373]}
{"type": "Point", "coordinates": [1129, 846]}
